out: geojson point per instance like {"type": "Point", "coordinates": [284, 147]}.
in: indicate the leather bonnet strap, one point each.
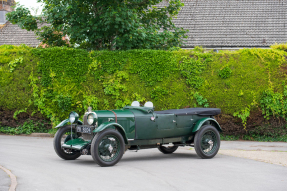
{"type": "Point", "coordinates": [115, 115]}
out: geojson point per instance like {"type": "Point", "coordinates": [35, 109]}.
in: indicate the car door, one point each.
{"type": "Point", "coordinates": [165, 121]}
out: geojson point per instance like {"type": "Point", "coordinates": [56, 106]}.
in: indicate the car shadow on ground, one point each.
{"type": "Point", "coordinates": [132, 157]}
{"type": "Point", "coordinates": [160, 156]}
{"type": "Point", "coordinates": [88, 161]}
{"type": "Point", "coordinates": [145, 155]}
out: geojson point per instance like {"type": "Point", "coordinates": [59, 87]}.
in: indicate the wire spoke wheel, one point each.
{"type": "Point", "coordinates": [63, 135]}
{"type": "Point", "coordinates": [67, 136]}
{"type": "Point", "coordinates": [167, 149]}
{"type": "Point", "coordinates": [107, 147]}
{"type": "Point", "coordinates": [207, 142]}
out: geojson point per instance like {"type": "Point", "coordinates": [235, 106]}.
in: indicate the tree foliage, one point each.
{"type": "Point", "coordinates": [105, 24]}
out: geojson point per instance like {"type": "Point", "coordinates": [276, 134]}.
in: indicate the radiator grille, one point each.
{"type": "Point", "coordinates": [85, 119]}
{"type": "Point", "coordinates": [86, 136]}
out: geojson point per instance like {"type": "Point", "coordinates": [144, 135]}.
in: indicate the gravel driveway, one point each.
{"type": "Point", "coordinates": [269, 152]}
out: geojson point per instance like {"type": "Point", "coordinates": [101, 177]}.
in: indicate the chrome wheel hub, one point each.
{"type": "Point", "coordinates": [209, 142]}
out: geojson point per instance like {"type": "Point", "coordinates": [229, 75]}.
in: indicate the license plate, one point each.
{"type": "Point", "coordinates": [83, 129]}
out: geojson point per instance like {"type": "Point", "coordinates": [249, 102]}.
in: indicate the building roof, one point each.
{"type": "Point", "coordinates": [14, 35]}
{"type": "Point", "coordinates": [233, 23]}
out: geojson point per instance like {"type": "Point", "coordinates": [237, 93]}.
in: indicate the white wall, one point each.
{"type": "Point", "coordinates": [3, 17]}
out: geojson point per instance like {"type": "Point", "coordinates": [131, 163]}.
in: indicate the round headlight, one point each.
{"type": "Point", "coordinates": [92, 119]}
{"type": "Point", "coordinates": [73, 117]}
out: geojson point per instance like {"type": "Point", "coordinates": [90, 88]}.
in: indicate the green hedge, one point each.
{"type": "Point", "coordinates": [55, 81]}
{"type": "Point", "coordinates": [252, 72]}
{"type": "Point", "coordinates": [16, 64]}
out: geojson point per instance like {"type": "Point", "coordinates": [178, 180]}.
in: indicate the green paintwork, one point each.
{"type": "Point", "coordinates": [125, 119]}
{"type": "Point", "coordinates": [165, 121]}
{"type": "Point", "coordinates": [164, 125]}
{"type": "Point", "coordinates": [79, 122]}
{"type": "Point", "coordinates": [160, 141]}
{"type": "Point", "coordinates": [202, 121]}
{"type": "Point", "coordinates": [76, 144]}
{"type": "Point", "coordinates": [107, 125]}
{"type": "Point", "coordinates": [64, 122]}
{"type": "Point", "coordinates": [142, 126]}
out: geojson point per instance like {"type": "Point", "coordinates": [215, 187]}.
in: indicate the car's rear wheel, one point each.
{"type": "Point", "coordinates": [168, 149]}
{"type": "Point", "coordinates": [207, 142]}
{"type": "Point", "coordinates": [108, 147]}
{"type": "Point", "coordinates": [63, 135]}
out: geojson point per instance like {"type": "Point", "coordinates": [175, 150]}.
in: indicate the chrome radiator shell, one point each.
{"type": "Point", "coordinates": [86, 136]}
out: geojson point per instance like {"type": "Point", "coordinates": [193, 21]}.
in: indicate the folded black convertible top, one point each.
{"type": "Point", "coordinates": [191, 111]}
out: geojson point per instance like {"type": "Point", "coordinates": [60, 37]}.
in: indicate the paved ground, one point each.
{"type": "Point", "coordinates": [270, 152]}
{"type": "Point", "coordinates": [272, 157]}
{"type": "Point", "coordinates": [253, 145]}
{"type": "Point", "coordinates": [37, 167]}
{"type": "Point", "coordinates": [4, 181]}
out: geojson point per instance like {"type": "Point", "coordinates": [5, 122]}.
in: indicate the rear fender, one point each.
{"type": "Point", "coordinates": [63, 123]}
{"type": "Point", "coordinates": [204, 121]}
{"type": "Point", "coordinates": [107, 125]}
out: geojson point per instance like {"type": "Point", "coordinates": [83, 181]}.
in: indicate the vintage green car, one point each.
{"type": "Point", "coordinates": [107, 134]}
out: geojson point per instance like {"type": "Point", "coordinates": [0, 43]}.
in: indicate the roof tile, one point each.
{"type": "Point", "coordinates": [233, 23]}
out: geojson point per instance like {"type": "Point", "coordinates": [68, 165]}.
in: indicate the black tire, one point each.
{"type": "Point", "coordinates": [107, 147]}
{"type": "Point", "coordinates": [167, 150]}
{"type": "Point", "coordinates": [64, 153]}
{"type": "Point", "coordinates": [207, 142]}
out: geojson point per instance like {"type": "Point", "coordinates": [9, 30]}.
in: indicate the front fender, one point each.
{"type": "Point", "coordinates": [64, 122]}
{"type": "Point", "coordinates": [106, 125]}
{"type": "Point", "coordinates": [200, 123]}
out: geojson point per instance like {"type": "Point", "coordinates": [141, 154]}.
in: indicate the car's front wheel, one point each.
{"type": "Point", "coordinates": [207, 142]}
{"type": "Point", "coordinates": [168, 149]}
{"type": "Point", "coordinates": [108, 147]}
{"type": "Point", "coordinates": [63, 135]}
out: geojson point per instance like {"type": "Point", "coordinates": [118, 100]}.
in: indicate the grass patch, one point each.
{"type": "Point", "coordinates": [259, 138]}
{"type": "Point", "coordinates": [229, 137]}
{"type": "Point", "coordinates": [27, 128]}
